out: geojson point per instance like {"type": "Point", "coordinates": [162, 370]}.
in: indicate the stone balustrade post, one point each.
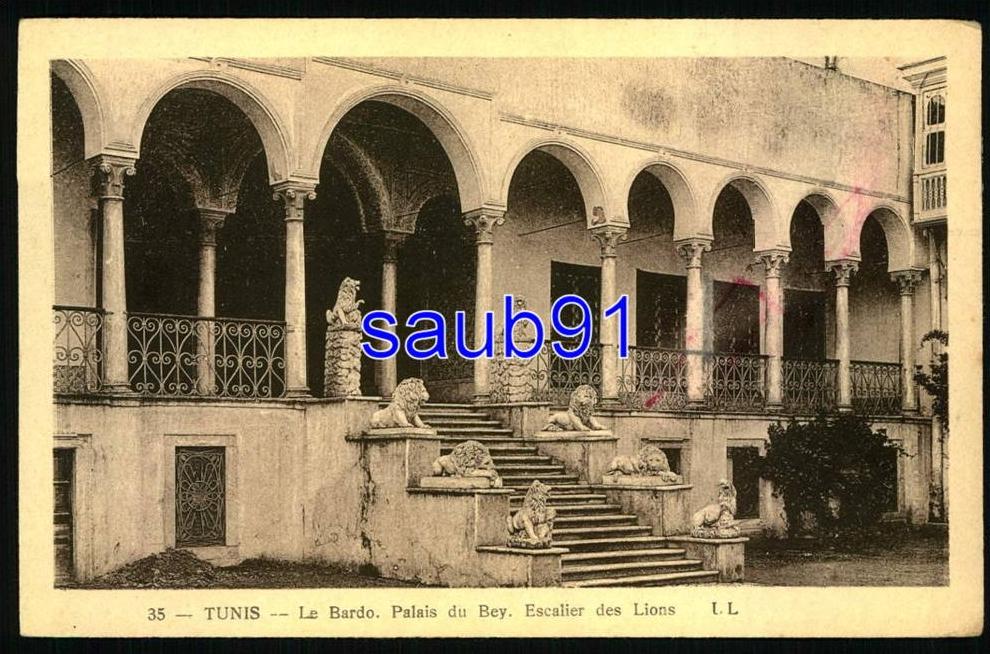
{"type": "Point", "coordinates": [843, 270]}
{"type": "Point", "coordinates": [608, 237]}
{"type": "Point", "coordinates": [773, 262]}
{"type": "Point", "coordinates": [484, 222]}
{"type": "Point", "coordinates": [691, 251]}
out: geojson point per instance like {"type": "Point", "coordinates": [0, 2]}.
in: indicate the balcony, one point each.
{"type": "Point", "coordinates": [930, 200]}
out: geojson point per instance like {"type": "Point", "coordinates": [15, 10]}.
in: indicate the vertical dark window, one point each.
{"type": "Point", "coordinates": [64, 460]}
{"type": "Point", "coordinates": [583, 281]}
{"type": "Point", "coordinates": [660, 305]}
{"type": "Point", "coordinates": [744, 472]}
{"type": "Point", "coordinates": [804, 324]}
{"type": "Point", "coordinates": [736, 309]}
{"type": "Point", "coordinates": [200, 496]}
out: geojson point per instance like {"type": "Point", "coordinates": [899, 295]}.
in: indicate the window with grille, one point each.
{"type": "Point", "coordinates": [200, 496]}
{"type": "Point", "coordinates": [934, 128]}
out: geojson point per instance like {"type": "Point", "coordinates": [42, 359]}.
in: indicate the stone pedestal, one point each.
{"type": "Point", "coordinates": [522, 417]}
{"type": "Point", "coordinates": [342, 363]}
{"type": "Point", "coordinates": [406, 452]}
{"type": "Point", "coordinates": [663, 507]}
{"type": "Point", "coordinates": [587, 453]}
{"type": "Point", "coordinates": [726, 555]}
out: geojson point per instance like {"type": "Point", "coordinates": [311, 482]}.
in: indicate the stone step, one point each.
{"type": "Point", "coordinates": [594, 533]}
{"type": "Point", "coordinates": [535, 468]}
{"type": "Point", "coordinates": [579, 521]}
{"type": "Point", "coordinates": [450, 422]}
{"type": "Point", "coordinates": [449, 440]}
{"type": "Point", "coordinates": [584, 508]}
{"type": "Point", "coordinates": [470, 432]}
{"type": "Point", "coordinates": [663, 579]}
{"type": "Point", "coordinates": [613, 570]}
{"type": "Point", "coordinates": [449, 406]}
{"type": "Point", "coordinates": [513, 459]}
{"type": "Point", "coordinates": [522, 483]}
{"type": "Point", "coordinates": [565, 499]}
{"type": "Point", "coordinates": [622, 543]}
{"type": "Point", "coordinates": [499, 450]}
{"type": "Point", "coordinates": [616, 556]}
{"type": "Point", "coordinates": [428, 415]}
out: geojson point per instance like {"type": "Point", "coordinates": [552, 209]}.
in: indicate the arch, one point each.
{"type": "Point", "coordinates": [767, 231]}
{"type": "Point", "coordinates": [445, 128]}
{"type": "Point", "coordinates": [679, 189]}
{"type": "Point", "coordinates": [264, 118]}
{"type": "Point", "coordinates": [86, 93]}
{"type": "Point", "coordinates": [580, 165]}
{"type": "Point", "coordinates": [827, 208]}
{"type": "Point", "coordinates": [896, 231]}
{"type": "Point", "coordinates": [366, 180]}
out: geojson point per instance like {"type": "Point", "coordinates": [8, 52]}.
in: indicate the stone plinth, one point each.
{"type": "Point", "coordinates": [663, 507]}
{"type": "Point", "coordinates": [637, 480]}
{"type": "Point", "coordinates": [404, 452]}
{"type": "Point", "coordinates": [586, 453]}
{"type": "Point", "coordinates": [726, 555]}
{"type": "Point", "coordinates": [516, 567]}
{"type": "Point", "coordinates": [522, 417]}
{"type": "Point", "coordinates": [455, 482]}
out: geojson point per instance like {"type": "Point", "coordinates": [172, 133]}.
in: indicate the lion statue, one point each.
{"type": "Point", "coordinates": [468, 459]}
{"type": "Point", "coordinates": [403, 410]}
{"type": "Point", "coordinates": [717, 520]}
{"type": "Point", "coordinates": [578, 415]}
{"type": "Point", "coordinates": [650, 461]}
{"type": "Point", "coordinates": [346, 312]}
{"type": "Point", "coordinates": [532, 525]}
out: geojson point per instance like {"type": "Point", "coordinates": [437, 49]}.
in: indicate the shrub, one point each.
{"type": "Point", "coordinates": [936, 380]}
{"type": "Point", "coordinates": [835, 474]}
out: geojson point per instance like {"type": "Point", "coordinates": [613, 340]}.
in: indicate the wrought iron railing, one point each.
{"type": "Point", "coordinates": [78, 352]}
{"type": "Point", "coordinates": [187, 355]}
{"type": "Point", "coordinates": [809, 385]}
{"type": "Point", "coordinates": [876, 388]}
{"type": "Point", "coordinates": [653, 379]}
{"type": "Point", "coordinates": [735, 382]}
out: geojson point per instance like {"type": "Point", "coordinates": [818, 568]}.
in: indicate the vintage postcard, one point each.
{"type": "Point", "coordinates": [500, 328]}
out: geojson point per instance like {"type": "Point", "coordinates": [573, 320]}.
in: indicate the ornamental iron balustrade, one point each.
{"type": "Point", "coordinates": [809, 385]}
{"type": "Point", "coordinates": [654, 379]}
{"type": "Point", "coordinates": [200, 496]}
{"type": "Point", "coordinates": [876, 388]}
{"type": "Point", "coordinates": [735, 382]}
{"type": "Point", "coordinates": [188, 356]}
{"type": "Point", "coordinates": [78, 352]}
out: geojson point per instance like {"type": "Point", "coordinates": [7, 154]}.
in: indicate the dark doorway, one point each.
{"type": "Point", "coordinates": [736, 310]}
{"type": "Point", "coordinates": [804, 325]}
{"type": "Point", "coordinates": [660, 306]}
{"type": "Point", "coordinates": [583, 281]}
{"type": "Point", "coordinates": [64, 515]}
{"type": "Point", "coordinates": [744, 473]}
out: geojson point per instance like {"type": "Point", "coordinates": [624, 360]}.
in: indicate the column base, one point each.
{"type": "Point", "coordinates": [695, 405]}
{"type": "Point", "coordinates": [481, 399]}
{"type": "Point", "coordinates": [774, 406]}
{"type": "Point", "coordinates": [844, 409]}
{"type": "Point", "coordinates": [298, 392]}
{"type": "Point", "coordinates": [120, 389]}
{"type": "Point", "coordinates": [610, 403]}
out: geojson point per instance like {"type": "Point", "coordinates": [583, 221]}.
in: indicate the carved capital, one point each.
{"type": "Point", "coordinates": [294, 196]}
{"type": "Point", "coordinates": [110, 173]}
{"type": "Point", "coordinates": [773, 261]}
{"type": "Point", "coordinates": [691, 250]}
{"type": "Point", "coordinates": [210, 222]}
{"type": "Point", "coordinates": [484, 222]}
{"type": "Point", "coordinates": [906, 280]}
{"type": "Point", "coordinates": [843, 270]}
{"type": "Point", "coordinates": [608, 238]}
{"type": "Point", "coordinates": [393, 241]}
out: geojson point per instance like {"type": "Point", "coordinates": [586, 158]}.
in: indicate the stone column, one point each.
{"type": "Point", "coordinates": [608, 238]}
{"type": "Point", "coordinates": [387, 374]}
{"type": "Point", "coordinates": [110, 174]}
{"type": "Point", "coordinates": [843, 270]}
{"type": "Point", "coordinates": [294, 196]}
{"type": "Point", "coordinates": [484, 222]}
{"type": "Point", "coordinates": [773, 261]}
{"type": "Point", "coordinates": [694, 319]}
{"type": "Point", "coordinates": [210, 222]}
{"type": "Point", "coordinates": [906, 281]}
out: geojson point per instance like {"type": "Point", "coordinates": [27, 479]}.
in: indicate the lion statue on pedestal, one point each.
{"type": "Point", "coordinates": [468, 459]}
{"type": "Point", "coordinates": [403, 410]}
{"type": "Point", "coordinates": [532, 525]}
{"type": "Point", "coordinates": [578, 415]}
{"type": "Point", "coordinates": [717, 520]}
{"type": "Point", "coordinates": [650, 461]}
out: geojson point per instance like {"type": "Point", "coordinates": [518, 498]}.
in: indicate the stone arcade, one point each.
{"type": "Point", "coordinates": [781, 258]}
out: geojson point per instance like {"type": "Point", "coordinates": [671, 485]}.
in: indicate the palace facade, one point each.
{"type": "Point", "coordinates": [779, 229]}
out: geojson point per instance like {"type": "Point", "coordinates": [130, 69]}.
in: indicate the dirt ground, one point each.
{"type": "Point", "coordinates": [897, 556]}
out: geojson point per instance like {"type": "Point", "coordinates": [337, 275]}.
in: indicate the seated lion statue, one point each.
{"type": "Point", "coordinates": [532, 525]}
{"type": "Point", "coordinates": [650, 461]}
{"type": "Point", "coordinates": [717, 520]}
{"type": "Point", "coordinates": [468, 459]}
{"type": "Point", "coordinates": [578, 415]}
{"type": "Point", "coordinates": [403, 410]}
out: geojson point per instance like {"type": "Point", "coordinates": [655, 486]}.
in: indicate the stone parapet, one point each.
{"type": "Point", "coordinates": [664, 508]}
{"type": "Point", "coordinates": [726, 555]}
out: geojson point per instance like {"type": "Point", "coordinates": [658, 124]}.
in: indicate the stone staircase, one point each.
{"type": "Point", "coordinates": [607, 547]}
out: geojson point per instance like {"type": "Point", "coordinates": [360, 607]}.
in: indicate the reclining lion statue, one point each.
{"type": "Point", "coordinates": [578, 415]}
{"type": "Point", "coordinates": [468, 459]}
{"type": "Point", "coordinates": [532, 525]}
{"type": "Point", "coordinates": [403, 410]}
{"type": "Point", "coordinates": [650, 461]}
{"type": "Point", "coordinates": [717, 520]}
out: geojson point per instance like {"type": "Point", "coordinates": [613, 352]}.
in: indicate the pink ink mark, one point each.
{"type": "Point", "coordinates": [653, 399]}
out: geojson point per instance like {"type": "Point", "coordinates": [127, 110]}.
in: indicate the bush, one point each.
{"type": "Point", "coordinates": [836, 475]}
{"type": "Point", "coordinates": [936, 380]}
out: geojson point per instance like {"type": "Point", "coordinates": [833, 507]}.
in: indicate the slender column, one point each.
{"type": "Point", "coordinates": [773, 261]}
{"type": "Point", "coordinates": [110, 173]}
{"type": "Point", "coordinates": [388, 376]}
{"type": "Point", "coordinates": [484, 222]}
{"type": "Point", "coordinates": [906, 281]}
{"type": "Point", "coordinates": [608, 238]}
{"type": "Point", "coordinates": [694, 318]}
{"type": "Point", "coordinates": [294, 197]}
{"type": "Point", "coordinates": [210, 222]}
{"type": "Point", "coordinates": [843, 270]}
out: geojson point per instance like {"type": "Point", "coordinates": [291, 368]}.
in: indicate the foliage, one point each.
{"type": "Point", "coordinates": [836, 475]}
{"type": "Point", "coordinates": [936, 380]}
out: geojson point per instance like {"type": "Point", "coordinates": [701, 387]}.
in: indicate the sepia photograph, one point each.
{"type": "Point", "coordinates": [397, 322]}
